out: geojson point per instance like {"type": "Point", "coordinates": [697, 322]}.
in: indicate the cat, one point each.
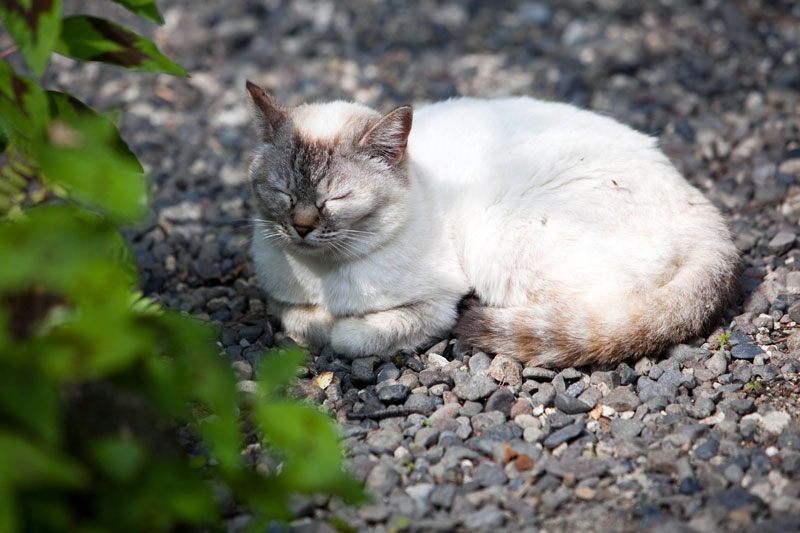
{"type": "Point", "coordinates": [575, 238]}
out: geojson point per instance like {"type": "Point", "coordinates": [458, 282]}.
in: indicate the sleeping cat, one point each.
{"type": "Point", "coordinates": [577, 239]}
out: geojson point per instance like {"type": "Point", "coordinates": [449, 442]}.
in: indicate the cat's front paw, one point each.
{"type": "Point", "coordinates": [355, 337]}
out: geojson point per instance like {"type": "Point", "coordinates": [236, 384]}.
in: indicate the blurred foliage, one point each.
{"type": "Point", "coordinates": [116, 415]}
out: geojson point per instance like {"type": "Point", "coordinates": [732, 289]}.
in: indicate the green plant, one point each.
{"type": "Point", "coordinates": [723, 338]}
{"type": "Point", "coordinates": [96, 382]}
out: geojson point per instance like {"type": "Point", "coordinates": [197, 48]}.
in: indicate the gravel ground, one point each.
{"type": "Point", "coordinates": [704, 438]}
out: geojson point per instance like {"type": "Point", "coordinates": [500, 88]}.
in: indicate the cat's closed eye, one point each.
{"type": "Point", "coordinates": [285, 195]}
{"type": "Point", "coordinates": [340, 197]}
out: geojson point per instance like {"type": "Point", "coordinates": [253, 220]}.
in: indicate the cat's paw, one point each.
{"type": "Point", "coordinates": [308, 326]}
{"type": "Point", "coordinates": [356, 337]}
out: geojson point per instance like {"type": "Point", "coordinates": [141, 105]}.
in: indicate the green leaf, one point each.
{"type": "Point", "coordinates": [34, 25]}
{"type": "Point", "coordinates": [120, 458]}
{"type": "Point", "coordinates": [25, 464]}
{"type": "Point", "coordinates": [68, 108]}
{"type": "Point", "coordinates": [23, 104]}
{"type": "Point", "coordinates": [95, 39]}
{"type": "Point", "coordinates": [278, 367]}
{"type": "Point", "coordinates": [143, 8]}
{"type": "Point", "coordinates": [84, 156]}
{"type": "Point", "coordinates": [8, 511]}
{"type": "Point", "coordinates": [313, 464]}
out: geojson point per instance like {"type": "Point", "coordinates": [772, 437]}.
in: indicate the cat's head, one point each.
{"type": "Point", "coordinates": [329, 178]}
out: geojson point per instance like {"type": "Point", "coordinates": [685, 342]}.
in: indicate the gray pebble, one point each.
{"type": "Point", "coordinates": [746, 350]}
{"type": "Point", "coordinates": [626, 429]}
{"type": "Point", "coordinates": [570, 405]}
{"type": "Point", "coordinates": [487, 519]}
{"type": "Point", "coordinates": [387, 371]}
{"type": "Point", "coordinates": [393, 394]}
{"type": "Point", "coordinates": [387, 439]}
{"type": "Point", "coordinates": [781, 242]}
{"type": "Point", "coordinates": [717, 364]}
{"type": "Point", "coordinates": [382, 479]}
{"type": "Point", "coordinates": [544, 396]}
{"type": "Point", "coordinates": [361, 369]}
{"type": "Point", "coordinates": [706, 449]}
{"type": "Point", "coordinates": [622, 399]}
{"type": "Point", "coordinates": [564, 434]}
{"type": "Point", "coordinates": [442, 495]}
{"type": "Point", "coordinates": [470, 409]}
{"type": "Point", "coordinates": [422, 403]}
{"type": "Point", "coordinates": [537, 373]}
{"type": "Point", "coordinates": [483, 421]}
{"type": "Point", "coordinates": [650, 389]}
{"type": "Point", "coordinates": [478, 387]}
{"type": "Point", "coordinates": [426, 436]}
{"type": "Point", "coordinates": [479, 362]}
{"type": "Point", "coordinates": [501, 400]}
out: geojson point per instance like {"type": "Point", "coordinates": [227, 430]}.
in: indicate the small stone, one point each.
{"type": "Point", "coordinates": [789, 440]}
{"type": "Point", "coordinates": [626, 374]}
{"type": "Point", "coordinates": [362, 370]}
{"type": "Point", "coordinates": [689, 485]}
{"type": "Point", "coordinates": [532, 434]}
{"type": "Point", "coordinates": [520, 407]}
{"type": "Point", "coordinates": [575, 389]}
{"type": "Point", "coordinates": [483, 421]}
{"type": "Point", "coordinates": [436, 360]}
{"type": "Point", "coordinates": [733, 473]}
{"type": "Point", "coordinates": [743, 372]}
{"type": "Point", "coordinates": [393, 394]}
{"type": "Point", "coordinates": [717, 364]}
{"type": "Point", "coordinates": [470, 409]}
{"type": "Point", "coordinates": [387, 371]}
{"type": "Point", "coordinates": [544, 396]}
{"type": "Point", "coordinates": [626, 429]}
{"type": "Point", "coordinates": [420, 493]}
{"type": "Point", "coordinates": [781, 242]}
{"type": "Point", "coordinates": [537, 373]}
{"type": "Point", "coordinates": [388, 439]}
{"type": "Point", "coordinates": [442, 495]}
{"type": "Point", "coordinates": [479, 362]}
{"type": "Point", "coordinates": [650, 389]}
{"type": "Point", "coordinates": [505, 370]}
{"type": "Point", "coordinates": [571, 405]}
{"type": "Point", "coordinates": [766, 372]}
{"type": "Point", "coordinates": [488, 474]}
{"type": "Point", "coordinates": [382, 479]}
{"type": "Point", "coordinates": [242, 369]}
{"type": "Point", "coordinates": [487, 519]}
{"type": "Point", "coordinates": [775, 422]}
{"type": "Point", "coordinates": [746, 350]}
{"type": "Point", "coordinates": [501, 400]}
{"type": "Point", "coordinates": [426, 437]}
{"type": "Point", "coordinates": [478, 387]}
{"type": "Point", "coordinates": [422, 403]}
{"type": "Point", "coordinates": [621, 399]}
{"type": "Point", "coordinates": [564, 434]}
{"type": "Point", "coordinates": [742, 406]}
{"type": "Point", "coordinates": [584, 493]}
{"type": "Point", "coordinates": [571, 374]}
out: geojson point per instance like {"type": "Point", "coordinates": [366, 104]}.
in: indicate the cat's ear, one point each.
{"type": "Point", "coordinates": [388, 138]}
{"type": "Point", "coordinates": [269, 112]}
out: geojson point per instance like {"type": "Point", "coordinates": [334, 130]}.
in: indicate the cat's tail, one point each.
{"type": "Point", "coordinates": [579, 327]}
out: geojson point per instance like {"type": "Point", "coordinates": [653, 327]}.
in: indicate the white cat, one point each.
{"type": "Point", "coordinates": [578, 238]}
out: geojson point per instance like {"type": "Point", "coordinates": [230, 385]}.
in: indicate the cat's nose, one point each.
{"type": "Point", "coordinates": [302, 230]}
{"type": "Point", "coordinates": [304, 221]}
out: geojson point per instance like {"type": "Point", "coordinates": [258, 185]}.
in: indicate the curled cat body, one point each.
{"type": "Point", "coordinates": [575, 237]}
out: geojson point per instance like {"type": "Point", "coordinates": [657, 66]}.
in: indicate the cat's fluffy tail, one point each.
{"type": "Point", "coordinates": [578, 327]}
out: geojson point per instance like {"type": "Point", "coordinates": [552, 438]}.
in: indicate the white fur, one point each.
{"type": "Point", "coordinates": [523, 201]}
